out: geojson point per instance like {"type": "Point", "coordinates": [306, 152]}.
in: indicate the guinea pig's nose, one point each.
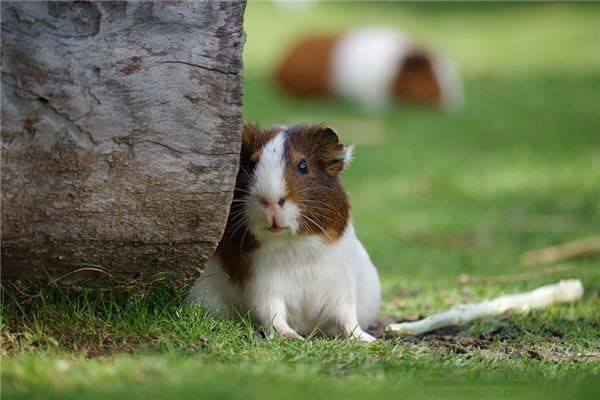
{"type": "Point", "coordinates": [272, 202]}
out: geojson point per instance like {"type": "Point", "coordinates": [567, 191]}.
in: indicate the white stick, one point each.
{"type": "Point", "coordinates": [565, 291]}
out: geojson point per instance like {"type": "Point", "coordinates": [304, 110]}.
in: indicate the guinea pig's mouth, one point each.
{"type": "Point", "coordinates": [276, 229]}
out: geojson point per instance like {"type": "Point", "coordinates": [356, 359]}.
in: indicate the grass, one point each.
{"type": "Point", "coordinates": [434, 196]}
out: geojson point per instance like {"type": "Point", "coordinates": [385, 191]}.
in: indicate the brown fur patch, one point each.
{"type": "Point", "coordinates": [235, 257]}
{"type": "Point", "coordinates": [319, 194]}
{"type": "Point", "coordinates": [238, 242]}
{"type": "Point", "coordinates": [306, 69]}
{"type": "Point", "coordinates": [253, 140]}
{"type": "Point", "coordinates": [416, 80]}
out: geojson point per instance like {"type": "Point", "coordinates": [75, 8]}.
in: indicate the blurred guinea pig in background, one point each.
{"type": "Point", "coordinates": [374, 67]}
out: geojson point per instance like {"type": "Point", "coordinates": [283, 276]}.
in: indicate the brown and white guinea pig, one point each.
{"type": "Point", "coordinates": [371, 66]}
{"type": "Point", "coordinates": [289, 256]}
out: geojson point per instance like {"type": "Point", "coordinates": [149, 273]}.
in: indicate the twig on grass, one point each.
{"type": "Point", "coordinates": [90, 268]}
{"type": "Point", "coordinates": [565, 291]}
{"type": "Point", "coordinates": [465, 279]}
{"type": "Point", "coordinates": [93, 268]}
{"type": "Point", "coordinates": [575, 248]}
{"type": "Point", "coordinates": [15, 285]}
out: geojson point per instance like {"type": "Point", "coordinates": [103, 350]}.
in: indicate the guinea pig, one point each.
{"type": "Point", "coordinates": [371, 66]}
{"type": "Point", "coordinates": [289, 257]}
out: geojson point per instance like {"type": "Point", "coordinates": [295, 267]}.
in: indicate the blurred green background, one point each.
{"type": "Point", "coordinates": [434, 196]}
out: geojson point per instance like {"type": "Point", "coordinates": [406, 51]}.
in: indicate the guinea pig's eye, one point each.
{"type": "Point", "coordinates": [303, 166]}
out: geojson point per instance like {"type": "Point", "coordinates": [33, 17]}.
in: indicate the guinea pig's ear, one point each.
{"type": "Point", "coordinates": [335, 155]}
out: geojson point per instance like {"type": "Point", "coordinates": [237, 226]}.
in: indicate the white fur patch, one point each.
{"type": "Point", "coordinates": [365, 63]}
{"type": "Point", "coordinates": [450, 84]}
{"type": "Point", "coordinates": [269, 172]}
{"type": "Point", "coordinates": [269, 182]}
{"type": "Point", "coordinates": [300, 285]}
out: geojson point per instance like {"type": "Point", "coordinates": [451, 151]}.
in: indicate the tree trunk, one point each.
{"type": "Point", "coordinates": [121, 129]}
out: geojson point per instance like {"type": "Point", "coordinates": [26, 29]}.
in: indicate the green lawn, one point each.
{"type": "Point", "coordinates": [434, 196]}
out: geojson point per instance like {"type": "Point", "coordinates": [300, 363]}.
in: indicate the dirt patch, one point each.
{"type": "Point", "coordinates": [378, 328]}
{"type": "Point", "coordinates": [498, 342]}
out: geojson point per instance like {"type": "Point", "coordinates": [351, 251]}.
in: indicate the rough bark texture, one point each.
{"type": "Point", "coordinates": [121, 126]}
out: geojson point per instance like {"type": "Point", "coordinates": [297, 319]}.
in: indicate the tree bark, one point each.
{"type": "Point", "coordinates": [121, 131]}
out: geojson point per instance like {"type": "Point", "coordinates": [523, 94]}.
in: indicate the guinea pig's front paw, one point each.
{"type": "Point", "coordinates": [362, 336]}
{"type": "Point", "coordinates": [366, 338]}
{"type": "Point", "coordinates": [287, 334]}
{"type": "Point", "coordinates": [290, 335]}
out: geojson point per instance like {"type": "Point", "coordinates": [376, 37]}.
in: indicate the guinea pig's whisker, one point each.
{"type": "Point", "coordinates": [309, 227]}
{"type": "Point", "coordinates": [302, 225]}
{"type": "Point", "coordinates": [243, 237]}
{"type": "Point", "coordinates": [235, 219]}
{"type": "Point", "coordinates": [305, 189]}
{"type": "Point", "coordinates": [242, 200]}
{"type": "Point", "coordinates": [319, 202]}
{"type": "Point", "coordinates": [313, 212]}
{"type": "Point", "coordinates": [235, 222]}
{"type": "Point", "coordinates": [239, 230]}
{"type": "Point", "coordinates": [237, 214]}
{"type": "Point", "coordinates": [246, 172]}
{"type": "Point", "coordinates": [238, 226]}
{"type": "Point", "coordinates": [231, 231]}
{"type": "Point", "coordinates": [239, 202]}
{"type": "Point", "coordinates": [329, 207]}
{"type": "Point", "coordinates": [325, 188]}
{"type": "Point", "coordinates": [237, 209]}
{"type": "Point", "coordinates": [313, 221]}
{"type": "Point", "coordinates": [238, 189]}
{"type": "Point", "coordinates": [318, 207]}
